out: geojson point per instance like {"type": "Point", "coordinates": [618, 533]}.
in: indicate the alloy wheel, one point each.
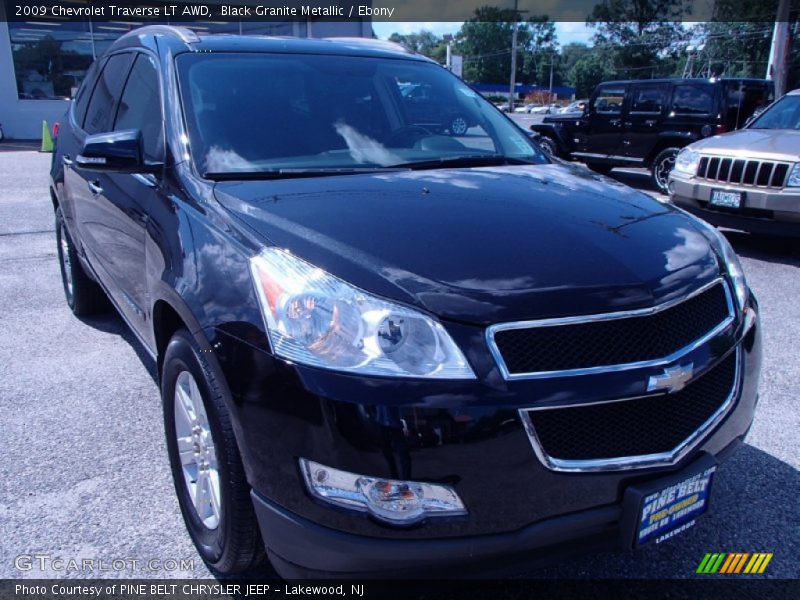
{"type": "Point", "coordinates": [66, 264]}
{"type": "Point", "coordinates": [459, 126]}
{"type": "Point", "coordinates": [197, 451]}
{"type": "Point", "coordinates": [663, 169]}
{"type": "Point", "coordinates": [547, 146]}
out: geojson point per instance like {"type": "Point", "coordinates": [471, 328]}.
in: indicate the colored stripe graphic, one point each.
{"type": "Point", "coordinates": [758, 563]}
{"type": "Point", "coordinates": [734, 563]}
{"type": "Point", "coordinates": [711, 563]}
{"type": "Point", "coordinates": [729, 563]}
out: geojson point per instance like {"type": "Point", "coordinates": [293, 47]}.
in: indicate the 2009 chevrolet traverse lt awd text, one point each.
{"type": "Point", "coordinates": [383, 348]}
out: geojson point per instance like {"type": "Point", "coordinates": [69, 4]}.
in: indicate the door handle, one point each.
{"type": "Point", "coordinates": [628, 123]}
{"type": "Point", "coordinates": [67, 160]}
{"type": "Point", "coordinates": [94, 188]}
{"type": "Point", "coordinates": [650, 122]}
{"type": "Point", "coordinates": [615, 122]}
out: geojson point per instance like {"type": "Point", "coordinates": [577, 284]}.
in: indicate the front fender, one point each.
{"type": "Point", "coordinates": [555, 132]}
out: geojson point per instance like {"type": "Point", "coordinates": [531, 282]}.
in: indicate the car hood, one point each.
{"type": "Point", "coordinates": [562, 117]}
{"type": "Point", "coordinates": [484, 245]}
{"type": "Point", "coordinates": [775, 144]}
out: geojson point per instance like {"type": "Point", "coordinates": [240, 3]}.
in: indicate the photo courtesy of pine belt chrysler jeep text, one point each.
{"type": "Point", "coordinates": [389, 347]}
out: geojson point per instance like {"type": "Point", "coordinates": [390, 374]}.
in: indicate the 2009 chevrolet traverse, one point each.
{"type": "Point", "coordinates": [384, 348]}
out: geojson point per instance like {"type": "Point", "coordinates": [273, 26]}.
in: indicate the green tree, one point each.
{"type": "Point", "coordinates": [737, 41]}
{"type": "Point", "coordinates": [643, 37]}
{"type": "Point", "coordinates": [424, 42]}
{"type": "Point", "coordinates": [571, 53]}
{"type": "Point", "coordinates": [590, 70]}
{"type": "Point", "coordinates": [540, 52]}
{"type": "Point", "coordinates": [485, 43]}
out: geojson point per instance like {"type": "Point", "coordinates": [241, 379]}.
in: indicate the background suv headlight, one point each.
{"type": "Point", "coordinates": [794, 177]}
{"type": "Point", "coordinates": [316, 319]}
{"type": "Point", "coordinates": [687, 162]}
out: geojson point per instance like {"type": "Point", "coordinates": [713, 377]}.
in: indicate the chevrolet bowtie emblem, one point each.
{"type": "Point", "coordinates": [672, 380]}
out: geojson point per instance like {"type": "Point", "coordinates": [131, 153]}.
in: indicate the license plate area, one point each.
{"type": "Point", "coordinates": [726, 199]}
{"type": "Point", "coordinates": [659, 510]}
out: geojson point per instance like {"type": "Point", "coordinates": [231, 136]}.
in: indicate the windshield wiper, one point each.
{"type": "Point", "coordinates": [472, 160]}
{"type": "Point", "coordinates": [293, 173]}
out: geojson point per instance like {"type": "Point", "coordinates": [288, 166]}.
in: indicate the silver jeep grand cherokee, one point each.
{"type": "Point", "coordinates": [748, 179]}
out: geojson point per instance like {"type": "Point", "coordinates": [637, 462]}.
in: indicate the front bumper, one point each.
{"type": "Point", "coordinates": [765, 210]}
{"type": "Point", "coordinates": [467, 435]}
{"type": "Point", "coordinates": [300, 549]}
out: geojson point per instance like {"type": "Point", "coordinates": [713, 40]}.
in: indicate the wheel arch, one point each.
{"type": "Point", "coordinates": [553, 133]}
{"type": "Point", "coordinates": [664, 143]}
{"type": "Point", "coordinates": [168, 316]}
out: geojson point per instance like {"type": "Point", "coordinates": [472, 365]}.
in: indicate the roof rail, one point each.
{"type": "Point", "coordinates": [183, 33]}
{"type": "Point", "coordinates": [367, 42]}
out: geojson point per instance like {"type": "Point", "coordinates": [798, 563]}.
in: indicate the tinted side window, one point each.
{"type": "Point", "coordinates": [693, 99]}
{"type": "Point", "coordinates": [82, 99]}
{"type": "Point", "coordinates": [100, 116]}
{"type": "Point", "coordinates": [649, 98]}
{"type": "Point", "coordinates": [140, 106]}
{"type": "Point", "coordinates": [609, 99]}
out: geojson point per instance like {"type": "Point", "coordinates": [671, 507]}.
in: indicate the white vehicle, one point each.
{"type": "Point", "coordinates": [574, 107]}
{"type": "Point", "coordinates": [545, 109]}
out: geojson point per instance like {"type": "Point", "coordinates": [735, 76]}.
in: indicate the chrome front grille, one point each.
{"type": "Point", "coordinates": [572, 346]}
{"type": "Point", "coordinates": [743, 171]}
{"type": "Point", "coordinates": [653, 430]}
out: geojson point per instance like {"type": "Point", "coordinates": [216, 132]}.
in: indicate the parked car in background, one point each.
{"type": "Point", "coordinates": [748, 179]}
{"type": "Point", "coordinates": [574, 107]}
{"type": "Point", "coordinates": [433, 109]}
{"type": "Point", "coordinates": [646, 123]}
{"type": "Point", "coordinates": [544, 109]}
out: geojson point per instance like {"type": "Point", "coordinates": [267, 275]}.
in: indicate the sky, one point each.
{"type": "Point", "coordinates": [573, 31]}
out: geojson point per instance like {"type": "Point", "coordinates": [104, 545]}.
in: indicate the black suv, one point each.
{"type": "Point", "coordinates": [645, 123]}
{"type": "Point", "coordinates": [385, 349]}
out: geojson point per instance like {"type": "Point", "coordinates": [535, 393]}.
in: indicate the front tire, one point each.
{"type": "Point", "coordinates": [662, 165]}
{"type": "Point", "coordinates": [84, 296]}
{"type": "Point", "coordinates": [207, 470]}
{"type": "Point", "coordinates": [548, 146]}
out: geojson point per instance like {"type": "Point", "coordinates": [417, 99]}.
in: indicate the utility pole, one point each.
{"type": "Point", "coordinates": [779, 50]}
{"type": "Point", "coordinates": [512, 85]}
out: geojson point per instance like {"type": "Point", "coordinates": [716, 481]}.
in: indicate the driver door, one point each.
{"type": "Point", "coordinates": [599, 132]}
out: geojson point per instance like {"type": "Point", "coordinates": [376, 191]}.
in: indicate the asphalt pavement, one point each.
{"type": "Point", "coordinates": [84, 472]}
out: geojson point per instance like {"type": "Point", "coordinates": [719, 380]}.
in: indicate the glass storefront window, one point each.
{"type": "Point", "coordinates": [50, 58]}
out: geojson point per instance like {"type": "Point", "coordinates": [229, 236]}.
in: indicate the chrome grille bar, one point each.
{"type": "Point", "coordinates": [744, 171]}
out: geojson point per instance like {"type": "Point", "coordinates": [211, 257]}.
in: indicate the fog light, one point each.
{"type": "Point", "coordinates": [388, 500]}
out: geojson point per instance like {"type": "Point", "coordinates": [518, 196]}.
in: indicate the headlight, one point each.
{"type": "Point", "coordinates": [316, 319]}
{"type": "Point", "coordinates": [687, 161]}
{"type": "Point", "coordinates": [735, 271]}
{"type": "Point", "coordinates": [794, 177]}
{"type": "Point", "coordinates": [725, 250]}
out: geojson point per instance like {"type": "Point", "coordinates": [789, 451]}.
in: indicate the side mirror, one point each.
{"type": "Point", "coordinates": [117, 152]}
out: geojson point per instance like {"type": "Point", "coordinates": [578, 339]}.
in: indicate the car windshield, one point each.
{"type": "Point", "coordinates": [784, 114]}
{"type": "Point", "coordinates": [261, 114]}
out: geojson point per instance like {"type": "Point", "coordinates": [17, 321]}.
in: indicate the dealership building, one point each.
{"type": "Point", "coordinates": [43, 61]}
